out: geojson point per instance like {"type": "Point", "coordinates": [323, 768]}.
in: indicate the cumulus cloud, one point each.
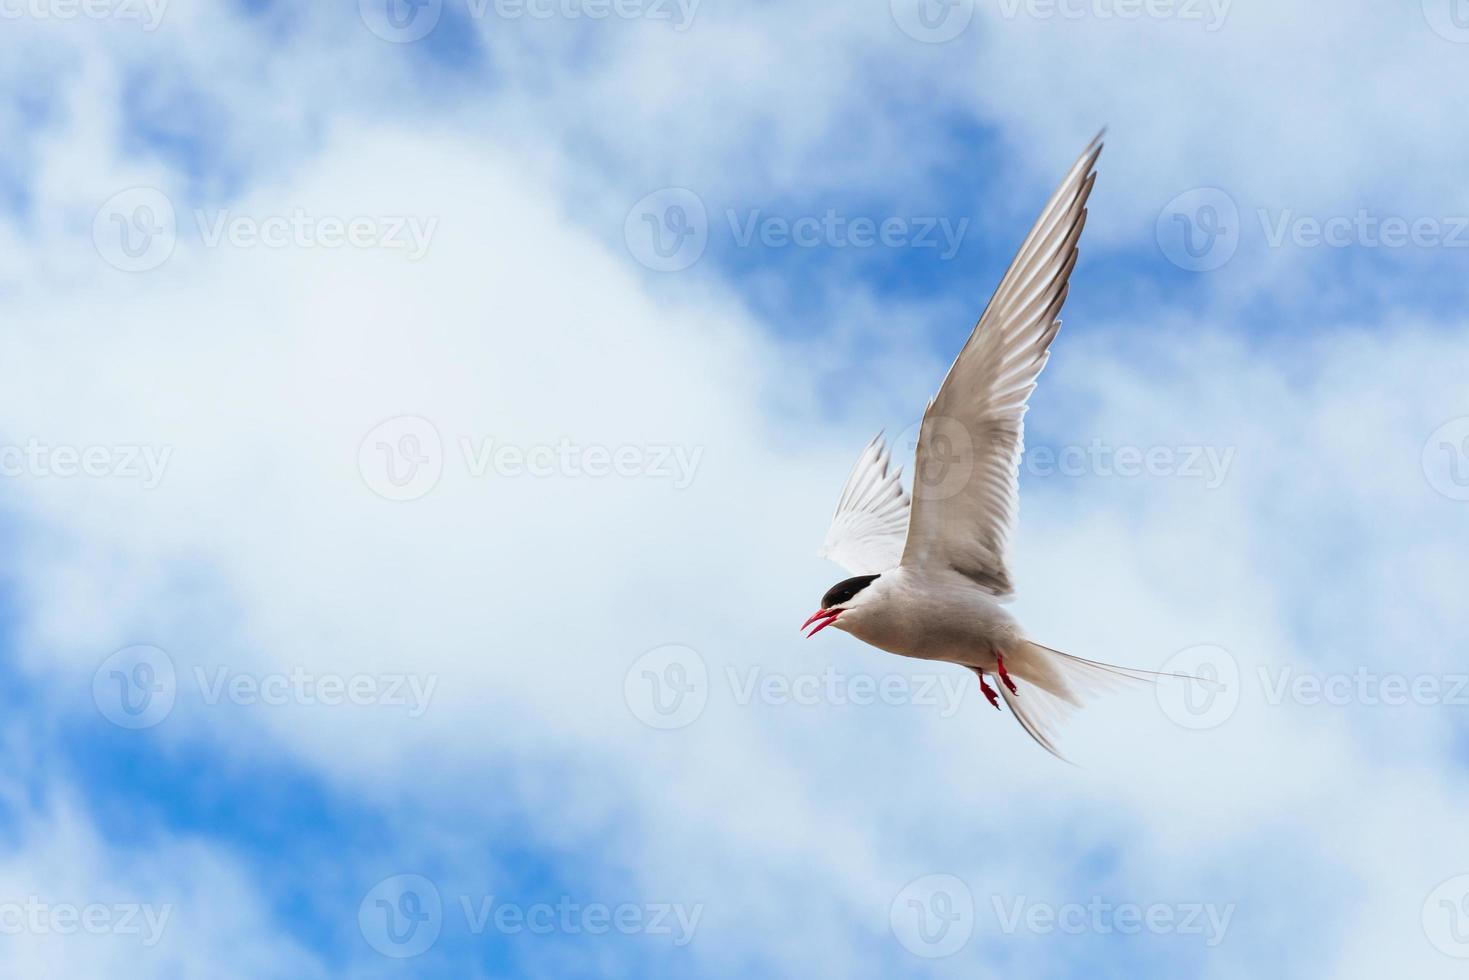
{"type": "Point", "coordinates": [494, 472]}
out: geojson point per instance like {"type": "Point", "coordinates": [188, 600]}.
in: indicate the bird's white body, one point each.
{"type": "Point", "coordinates": [930, 576]}
{"type": "Point", "coordinates": [934, 614]}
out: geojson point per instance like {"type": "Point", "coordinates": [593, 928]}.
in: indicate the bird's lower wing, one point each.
{"type": "Point", "coordinates": [871, 520]}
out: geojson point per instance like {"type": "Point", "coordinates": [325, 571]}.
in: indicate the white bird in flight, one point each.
{"type": "Point", "coordinates": [929, 579]}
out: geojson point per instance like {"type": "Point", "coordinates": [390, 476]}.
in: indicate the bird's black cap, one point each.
{"type": "Point", "coordinates": [844, 590]}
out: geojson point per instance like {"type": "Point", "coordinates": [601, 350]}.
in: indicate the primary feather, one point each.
{"type": "Point", "coordinates": [962, 518]}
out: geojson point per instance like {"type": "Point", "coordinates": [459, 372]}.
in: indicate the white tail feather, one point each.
{"type": "Point", "coordinates": [1053, 685]}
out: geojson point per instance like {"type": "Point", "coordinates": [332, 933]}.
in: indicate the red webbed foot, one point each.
{"type": "Point", "coordinates": [1004, 674]}
{"type": "Point", "coordinates": [989, 692]}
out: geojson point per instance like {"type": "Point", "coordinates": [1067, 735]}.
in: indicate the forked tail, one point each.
{"type": "Point", "coordinates": [1054, 684]}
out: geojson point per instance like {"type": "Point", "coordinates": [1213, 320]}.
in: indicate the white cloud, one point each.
{"type": "Point", "coordinates": [526, 599]}
{"type": "Point", "coordinates": [76, 902]}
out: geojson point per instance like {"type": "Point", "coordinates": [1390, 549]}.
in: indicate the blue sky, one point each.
{"type": "Point", "coordinates": [294, 284]}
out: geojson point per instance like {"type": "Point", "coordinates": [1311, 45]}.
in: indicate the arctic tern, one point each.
{"type": "Point", "coordinates": [929, 579]}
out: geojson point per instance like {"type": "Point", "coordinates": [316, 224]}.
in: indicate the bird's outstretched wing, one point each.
{"type": "Point", "coordinates": [966, 473]}
{"type": "Point", "coordinates": [871, 519]}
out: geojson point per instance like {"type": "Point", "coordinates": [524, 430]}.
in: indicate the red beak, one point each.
{"type": "Point", "coordinates": [826, 617]}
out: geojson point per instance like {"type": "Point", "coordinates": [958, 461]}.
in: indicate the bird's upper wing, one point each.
{"type": "Point", "coordinates": [966, 474]}
{"type": "Point", "coordinates": [866, 533]}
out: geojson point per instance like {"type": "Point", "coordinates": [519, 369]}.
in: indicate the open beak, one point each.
{"type": "Point", "coordinates": [823, 618]}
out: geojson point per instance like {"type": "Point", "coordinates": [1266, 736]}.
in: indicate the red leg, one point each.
{"type": "Point", "coordinates": [989, 692]}
{"type": "Point", "coordinates": [1004, 674]}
